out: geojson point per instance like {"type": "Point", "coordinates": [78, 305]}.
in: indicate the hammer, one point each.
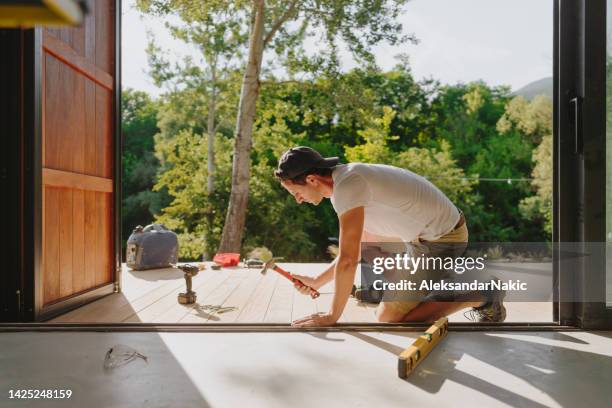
{"type": "Point", "coordinates": [271, 264]}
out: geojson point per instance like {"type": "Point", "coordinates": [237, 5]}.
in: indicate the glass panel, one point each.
{"type": "Point", "coordinates": [609, 156]}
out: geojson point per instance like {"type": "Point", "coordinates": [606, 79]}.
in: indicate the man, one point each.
{"type": "Point", "coordinates": [378, 203]}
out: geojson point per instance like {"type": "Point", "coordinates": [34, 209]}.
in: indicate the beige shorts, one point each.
{"type": "Point", "coordinates": [459, 235]}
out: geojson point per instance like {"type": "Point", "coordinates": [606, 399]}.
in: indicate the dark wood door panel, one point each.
{"type": "Point", "coordinates": [78, 169]}
{"type": "Point", "coordinates": [78, 242]}
{"type": "Point", "coordinates": [95, 39]}
{"type": "Point", "coordinates": [77, 134]}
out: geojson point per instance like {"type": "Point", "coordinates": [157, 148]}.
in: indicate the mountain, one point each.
{"type": "Point", "coordinates": [542, 86]}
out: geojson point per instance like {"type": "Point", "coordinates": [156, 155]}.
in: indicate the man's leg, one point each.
{"type": "Point", "coordinates": [423, 312]}
{"type": "Point", "coordinates": [427, 312]}
{"type": "Point", "coordinates": [394, 312]}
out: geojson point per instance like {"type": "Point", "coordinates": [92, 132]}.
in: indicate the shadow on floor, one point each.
{"type": "Point", "coordinates": [552, 362]}
{"type": "Point", "coordinates": [75, 361]}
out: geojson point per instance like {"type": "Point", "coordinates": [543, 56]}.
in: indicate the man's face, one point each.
{"type": "Point", "coordinates": [307, 193]}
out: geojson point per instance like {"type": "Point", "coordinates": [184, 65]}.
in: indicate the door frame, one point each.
{"type": "Point", "coordinates": [580, 161]}
{"type": "Point", "coordinates": [579, 67]}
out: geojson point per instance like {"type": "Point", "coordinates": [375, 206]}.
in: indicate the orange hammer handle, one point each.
{"type": "Point", "coordinates": [312, 292]}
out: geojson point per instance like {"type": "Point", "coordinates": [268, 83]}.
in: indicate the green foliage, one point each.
{"type": "Point", "coordinates": [195, 216]}
{"type": "Point", "coordinates": [139, 125]}
{"type": "Point", "coordinates": [539, 206]}
{"type": "Point", "coordinates": [533, 121]}
{"type": "Point", "coordinates": [453, 135]}
{"type": "Point", "coordinates": [435, 165]}
{"type": "Point", "coordinates": [358, 25]}
{"type": "Point", "coordinates": [273, 214]}
{"type": "Point", "coordinates": [492, 136]}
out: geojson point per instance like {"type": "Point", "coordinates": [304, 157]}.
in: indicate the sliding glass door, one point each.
{"type": "Point", "coordinates": [583, 167]}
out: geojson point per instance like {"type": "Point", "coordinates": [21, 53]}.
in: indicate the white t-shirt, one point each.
{"type": "Point", "coordinates": [398, 203]}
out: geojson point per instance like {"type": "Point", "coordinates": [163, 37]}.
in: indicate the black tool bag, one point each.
{"type": "Point", "coordinates": [153, 246]}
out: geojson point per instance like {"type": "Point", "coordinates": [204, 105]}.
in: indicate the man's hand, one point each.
{"type": "Point", "coordinates": [308, 281]}
{"type": "Point", "coordinates": [315, 320]}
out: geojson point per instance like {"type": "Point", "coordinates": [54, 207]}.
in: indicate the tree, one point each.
{"type": "Point", "coordinates": [282, 26]}
{"type": "Point", "coordinates": [198, 218]}
{"type": "Point", "coordinates": [219, 41]}
{"type": "Point", "coordinates": [534, 121]}
{"type": "Point", "coordinates": [539, 205]}
{"type": "Point", "coordinates": [192, 213]}
{"type": "Point", "coordinates": [184, 109]}
{"type": "Point", "coordinates": [480, 123]}
{"type": "Point", "coordinates": [437, 165]}
{"type": "Point", "coordinates": [140, 166]}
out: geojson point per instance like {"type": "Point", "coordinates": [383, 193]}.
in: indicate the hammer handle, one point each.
{"type": "Point", "coordinates": [312, 292]}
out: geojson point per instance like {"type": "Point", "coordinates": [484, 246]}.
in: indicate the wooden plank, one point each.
{"type": "Point", "coordinates": [166, 274]}
{"type": "Point", "coordinates": [239, 298]}
{"type": "Point", "coordinates": [90, 239]}
{"type": "Point", "coordinates": [89, 135]}
{"type": "Point", "coordinates": [175, 311]}
{"type": "Point", "coordinates": [100, 244]}
{"type": "Point", "coordinates": [67, 125]}
{"type": "Point", "coordinates": [90, 37]}
{"type": "Point", "coordinates": [255, 310]}
{"type": "Point", "coordinates": [51, 241]}
{"type": "Point", "coordinates": [122, 309]}
{"type": "Point", "coordinates": [65, 179]}
{"type": "Point", "coordinates": [137, 284]}
{"type": "Point", "coordinates": [168, 289]}
{"type": "Point", "coordinates": [65, 242]}
{"type": "Point", "coordinates": [103, 310]}
{"type": "Point", "coordinates": [53, 112]}
{"type": "Point", "coordinates": [358, 312]}
{"type": "Point", "coordinates": [68, 56]}
{"type": "Point", "coordinates": [103, 133]}
{"type": "Point", "coordinates": [150, 296]}
{"type": "Point", "coordinates": [77, 126]}
{"type": "Point", "coordinates": [199, 314]}
{"type": "Point", "coordinates": [66, 35]}
{"type": "Point", "coordinates": [78, 240]}
{"type": "Point", "coordinates": [281, 304]}
{"type": "Point", "coordinates": [303, 306]}
{"type": "Point", "coordinates": [107, 228]}
{"type": "Point", "coordinates": [78, 38]}
{"type": "Point", "coordinates": [43, 92]}
{"type": "Point", "coordinates": [169, 303]}
{"type": "Point", "coordinates": [105, 38]}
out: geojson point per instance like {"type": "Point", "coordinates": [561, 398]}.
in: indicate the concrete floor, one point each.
{"type": "Point", "coordinates": [327, 369]}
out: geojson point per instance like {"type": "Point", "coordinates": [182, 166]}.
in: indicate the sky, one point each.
{"type": "Point", "coordinates": [502, 42]}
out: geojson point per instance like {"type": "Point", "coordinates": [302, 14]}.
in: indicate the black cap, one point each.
{"type": "Point", "coordinates": [298, 160]}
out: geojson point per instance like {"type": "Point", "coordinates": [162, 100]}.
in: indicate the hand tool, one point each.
{"type": "Point", "coordinates": [413, 355]}
{"type": "Point", "coordinates": [271, 264]}
{"type": "Point", "coordinates": [190, 271]}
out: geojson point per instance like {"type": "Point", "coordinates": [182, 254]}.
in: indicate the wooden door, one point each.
{"type": "Point", "coordinates": [78, 160]}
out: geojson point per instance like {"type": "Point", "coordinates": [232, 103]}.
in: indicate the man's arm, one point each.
{"type": "Point", "coordinates": [328, 275]}
{"type": "Point", "coordinates": [316, 282]}
{"type": "Point", "coordinates": [351, 228]}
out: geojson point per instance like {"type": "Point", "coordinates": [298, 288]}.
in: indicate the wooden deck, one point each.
{"type": "Point", "coordinates": [151, 297]}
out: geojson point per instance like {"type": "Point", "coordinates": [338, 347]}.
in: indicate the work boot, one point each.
{"type": "Point", "coordinates": [367, 294]}
{"type": "Point", "coordinates": [493, 311]}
